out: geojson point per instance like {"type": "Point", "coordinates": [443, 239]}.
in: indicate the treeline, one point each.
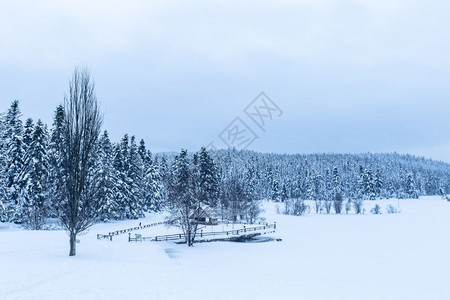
{"type": "Point", "coordinates": [334, 182]}
{"type": "Point", "coordinates": [131, 181]}
{"type": "Point", "coordinates": [321, 176]}
{"type": "Point", "coordinates": [127, 182]}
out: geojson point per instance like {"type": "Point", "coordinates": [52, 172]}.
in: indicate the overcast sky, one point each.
{"type": "Point", "coordinates": [349, 76]}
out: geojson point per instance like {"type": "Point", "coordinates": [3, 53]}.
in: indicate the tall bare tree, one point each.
{"type": "Point", "coordinates": [77, 205]}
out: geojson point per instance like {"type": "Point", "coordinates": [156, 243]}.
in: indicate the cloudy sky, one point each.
{"type": "Point", "coordinates": [350, 76]}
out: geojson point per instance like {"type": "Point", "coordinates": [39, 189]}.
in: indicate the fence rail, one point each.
{"type": "Point", "coordinates": [110, 235]}
{"type": "Point", "coordinates": [173, 237]}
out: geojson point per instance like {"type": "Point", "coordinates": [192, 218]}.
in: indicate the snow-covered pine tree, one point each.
{"type": "Point", "coordinates": [2, 170]}
{"type": "Point", "coordinates": [275, 192]}
{"type": "Point", "coordinates": [28, 133]}
{"type": "Point", "coordinates": [165, 176]}
{"type": "Point", "coordinates": [252, 205]}
{"type": "Point", "coordinates": [14, 163]}
{"type": "Point", "coordinates": [208, 178]}
{"type": "Point", "coordinates": [378, 185]}
{"type": "Point", "coordinates": [284, 193]}
{"type": "Point", "coordinates": [135, 181]}
{"type": "Point", "coordinates": [153, 188]}
{"type": "Point", "coordinates": [56, 175]}
{"type": "Point", "coordinates": [310, 188]}
{"type": "Point", "coordinates": [146, 156]}
{"type": "Point", "coordinates": [151, 181]}
{"type": "Point", "coordinates": [328, 192]}
{"type": "Point", "coordinates": [337, 191]}
{"type": "Point", "coordinates": [108, 183]}
{"type": "Point", "coordinates": [121, 167]}
{"type": "Point", "coordinates": [38, 165]}
{"type": "Point", "coordinates": [319, 187]}
{"type": "Point", "coordinates": [297, 187]}
{"type": "Point", "coordinates": [410, 187]}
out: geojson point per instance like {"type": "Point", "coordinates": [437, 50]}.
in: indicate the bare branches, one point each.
{"type": "Point", "coordinates": [80, 133]}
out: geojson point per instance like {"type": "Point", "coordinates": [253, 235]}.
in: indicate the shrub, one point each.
{"type": "Point", "coordinates": [296, 207]}
{"type": "Point", "coordinates": [391, 209]}
{"type": "Point", "coordinates": [299, 207]}
{"type": "Point", "coordinates": [358, 206]}
{"type": "Point", "coordinates": [376, 210]}
{"type": "Point", "coordinates": [348, 206]}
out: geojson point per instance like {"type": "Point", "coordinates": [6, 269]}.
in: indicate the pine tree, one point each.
{"type": "Point", "coordinates": [28, 134]}
{"type": "Point", "coordinates": [318, 187]}
{"type": "Point", "coordinates": [3, 217]}
{"type": "Point", "coordinates": [165, 178]}
{"type": "Point", "coordinates": [337, 191]}
{"type": "Point", "coordinates": [410, 189]}
{"type": "Point", "coordinates": [208, 178]}
{"type": "Point", "coordinates": [14, 164]}
{"type": "Point", "coordinates": [152, 188]}
{"type": "Point", "coordinates": [310, 187]}
{"type": "Point", "coordinates": [135, 181]}
{"type": "Point", "coordinates": [275, 193]}
{"type": "Point", "coordinates": [378, 184]}
{"type": "Point", "coordinates": [56, 175]}
{"type": "Point", "coordinates": [151, 180]}
{"type": "Point", "coordinates": [328, 192]}
{"type": "Point", "coordinates": [37, 207]}
{"type": "Point", "coordinates": [108, 189]}
{"type": "Point", "coordinates": [146, 156]}
{"type": "Point", "coordinates": [251, 204]}
{"type": "Point", "coordinates": [122, 195]}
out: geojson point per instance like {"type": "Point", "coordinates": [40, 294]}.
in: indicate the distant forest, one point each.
{"type": "Point", "coordinates": [130, 180]}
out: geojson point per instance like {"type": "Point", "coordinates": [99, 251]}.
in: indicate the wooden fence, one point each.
{"type": "Point", "coordinates": [173, 237]}
{"type": "Point", "coordinates": [110, 235]}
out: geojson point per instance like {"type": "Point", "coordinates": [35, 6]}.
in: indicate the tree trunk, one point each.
{"type": "Point", "coordinates": [73, 244]}
{"type": "Point", "coordinates": [189, 239]}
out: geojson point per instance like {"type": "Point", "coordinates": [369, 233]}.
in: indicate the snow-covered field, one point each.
{"type": "Point", "coordinates": [388, 256]}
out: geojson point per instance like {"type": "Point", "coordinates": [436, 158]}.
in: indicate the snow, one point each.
{"type": "Point", "coordinates": [388, 256]}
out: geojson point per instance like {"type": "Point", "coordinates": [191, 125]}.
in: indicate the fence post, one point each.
{"type": "Point", "coordinates": [201, 233]}
{"type": "Point", "coordinates": [245, 230]}
{"type": "Point", "coordinates": [274, 225]}
{"type": "Point", "coordinates": [129, 237]}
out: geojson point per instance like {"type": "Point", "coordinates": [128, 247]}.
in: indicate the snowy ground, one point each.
{"type": "Point", "coordinates": [398, 256]}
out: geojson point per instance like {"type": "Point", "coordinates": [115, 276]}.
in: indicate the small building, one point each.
{"type": "Point", "coordinates": [203, 216]}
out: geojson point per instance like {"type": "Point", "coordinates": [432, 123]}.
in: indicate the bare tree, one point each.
{"type": "Point", "coordinates": [253, 210]}
{"type": "Point", "coordinates": [77, 205]}
{"type": "Point", "coordinates": [295, 207]}
{"type": "Point", "coordinates": [185, 205]}
{"type": "Point", "coordinates": [327, 205]}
